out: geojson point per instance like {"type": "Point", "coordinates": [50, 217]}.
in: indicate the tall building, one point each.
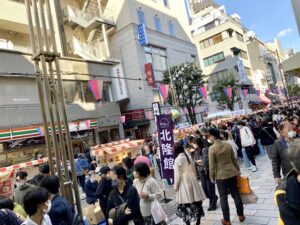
{"type": "Point", "coordinates": [163, 42]}
{"type": "Point", "coordinates": [82, 29]}
{"type": "Point", "coordinates": [296, 8]}
{"type": "Point", "coordinates": [264, 64]}
{"type": "Point", "coordinates": [220, 40]}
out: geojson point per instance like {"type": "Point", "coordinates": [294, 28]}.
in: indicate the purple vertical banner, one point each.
{"type": "Point", "coordinates": [166, 141]}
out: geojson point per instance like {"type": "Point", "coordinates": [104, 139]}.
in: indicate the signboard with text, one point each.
{"type": "Point", "coordinates": [142, 35]}
{"type": "Point", "coordinates": [156, 108]}
{"type": "Point", "coordinates": [149, 74]}
{"type": "Point", "coordinates": [166, 142]}
{"type": "Point", "coordinates": [119, 83]}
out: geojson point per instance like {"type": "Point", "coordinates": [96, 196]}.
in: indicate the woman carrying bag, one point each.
{"type": "Point", "coordinates": [189, 193]}
{"type": "Point", "coordinates": [149, 193]}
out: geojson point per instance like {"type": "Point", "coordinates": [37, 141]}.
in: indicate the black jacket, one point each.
{"type": "Point", "coordinates": [90, 191]}
{"type": "Point", "coordinates": [103, 190]}
{"type": "Point", "coordinates": [289, 201]}
{"type": "Point", "coordinates": [267, 136]}
{"type": "Point", "coordinates": [280, 159]}
{"type": "Point", "coordinates": [61, 213]}
{"type": "Point", "coordinates": [131, 197]}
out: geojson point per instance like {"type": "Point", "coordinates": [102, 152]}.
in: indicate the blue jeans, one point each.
{"type": "Point", "coordinates": [262, 150]}
{"type": "Point", "coordinates": [245, 158]}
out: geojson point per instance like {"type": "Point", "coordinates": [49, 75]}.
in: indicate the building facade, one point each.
{"type": "Point", "coordinates": [85, 55]}
{"type": "Point", "coordinates": [166, 43]}
{"type": "Point", "coordinates": [223, 53]}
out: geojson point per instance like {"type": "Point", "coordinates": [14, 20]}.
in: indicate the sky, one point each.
{"type": "Point", "coordinates": [268, 19]}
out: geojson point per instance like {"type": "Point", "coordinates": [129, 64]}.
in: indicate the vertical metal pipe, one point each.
{"type": "Point", "coordinates": [64, 112]}
{"type": "Point", "coordinates": [56, 102]}
{"type": "Point", "coordinates": [40, 90]}
{"type": "Point", "coordinates": [48, 97]}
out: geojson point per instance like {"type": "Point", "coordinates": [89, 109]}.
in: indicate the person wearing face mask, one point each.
{"type": "Point", "coordinates": [224, 170]}
{"type": "Point", "coordinates": [22, 187]}
{"type": "Point", "coordinates": [37, 205]}
{"type": "Point", "coordinates": [124, 196]}
{"type": "Point", "coordinates": [61, 211]}
{"type": "Point", "coordinates": [280, 151]}
{"type": "Point", "coordinates": [104, 188]}
{"type": "Point", "coordinates": [90, 186]}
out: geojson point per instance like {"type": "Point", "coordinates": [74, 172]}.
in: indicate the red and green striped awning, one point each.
{"type": "Point", "coordinates": [38, 131]}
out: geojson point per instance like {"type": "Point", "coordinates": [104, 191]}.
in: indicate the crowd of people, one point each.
{"type": "Point", "coordinates": [207, 165]}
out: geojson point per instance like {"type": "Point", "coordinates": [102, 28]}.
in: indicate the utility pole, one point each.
{"type": "Point", "coordinates": [51, 96]}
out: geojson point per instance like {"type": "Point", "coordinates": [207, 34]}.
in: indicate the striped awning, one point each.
{"type": "Point", "coordinates": [127, 145]}
{"type": "Point", "coordinates": [38, 131]}
{"type": "Point", "coordinates": [23, 165]}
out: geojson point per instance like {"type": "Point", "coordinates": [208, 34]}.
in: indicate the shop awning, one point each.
{"type": "Point", "coordinates": [102, 151]}
{"type": "Point", "coordinates": [291, 66]}
{"type": "Point", "coordinates": [23, 165]}
{"type": "Point", "coordinates": [135, 123]}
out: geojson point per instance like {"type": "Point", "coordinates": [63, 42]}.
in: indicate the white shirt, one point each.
{"type": "Point", "coordinates": [29, 221]}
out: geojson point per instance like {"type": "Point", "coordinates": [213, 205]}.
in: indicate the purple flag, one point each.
{"type": "Point", "coordinates": [166, 142]}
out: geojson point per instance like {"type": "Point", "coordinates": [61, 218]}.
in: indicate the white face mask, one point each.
{"type": "Point", "coordinates": [45, 211]}
{"type": "Point", "coordinates": [209, 141]}
{"type": "Point", "coordinates": [292, 134]}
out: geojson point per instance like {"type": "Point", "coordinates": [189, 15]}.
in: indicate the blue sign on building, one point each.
{"type": "Point", "coordinates": [142, 35]}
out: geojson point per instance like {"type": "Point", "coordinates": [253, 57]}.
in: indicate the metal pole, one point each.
{"type": "Point", "coordinates": [64, 112]}
{"type": "Point", "coordinates": [40, 91]}
{"type": "Point", "coordinates": [283, 78]}
{"type": "Point", "coordinates": [42, 58]}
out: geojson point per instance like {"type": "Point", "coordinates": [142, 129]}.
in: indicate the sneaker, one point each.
{"type": "Point", "coordinates": [250, 168]}
{"type": "Point", "coordinates": [254, 169]}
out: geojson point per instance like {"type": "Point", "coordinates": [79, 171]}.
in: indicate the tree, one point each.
{"type": "Point", "coordinates": [186, 78]}
{"type": "Point", "coordinates": [221, 97]}
{"type": "Point", "coordinates": [294, 90]}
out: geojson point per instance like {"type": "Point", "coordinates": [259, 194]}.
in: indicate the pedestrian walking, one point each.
{"type": "Point", "coordinates": [280, 161]}
{"type": "Point", "coordinates": [148, 190]}
{"type": "Point", "coordinates": [189, 193]}
{"type": "Point", "coordinates": [267, 136]}
{"type": "Point", "coordinates": [248, 142]}
{"type": "Point", "coordinates": [90, 186]}
{"type": "Point", "coordinates": [224, 170]}
{"type": "Point", "coordinates": [128, 165]}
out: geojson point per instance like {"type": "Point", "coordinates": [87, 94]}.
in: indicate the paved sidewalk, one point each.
{"type": "Point", "coordinates": [264, 212]}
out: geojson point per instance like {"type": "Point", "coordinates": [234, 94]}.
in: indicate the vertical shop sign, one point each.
{"type": "Point", "coordinates": [166, 142]}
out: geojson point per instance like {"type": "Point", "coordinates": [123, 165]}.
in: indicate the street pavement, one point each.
{"type": "Point", "coordinates": [264, 212]}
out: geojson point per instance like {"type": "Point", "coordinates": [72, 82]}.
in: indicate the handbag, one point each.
{"type": "Point", "coordinates": [249, 198]}
{"type": "Point", "coordinates": [158, 212]}
{"type": "Point", "coordinates": [243, 185]}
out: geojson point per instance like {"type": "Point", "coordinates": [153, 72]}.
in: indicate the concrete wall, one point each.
{"type": "Point", "coordinates": [296, 7]}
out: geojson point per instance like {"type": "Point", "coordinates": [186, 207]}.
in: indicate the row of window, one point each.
{"type": "Point", "coordinates": [211, 41]}
{"type": "Point", "coordinates": [156, 56]}
{"type": "Point", "coordinates": [78, 91]}
{"type": "Point", "coordinates": [214, 59]}
{"type": "Point", "coordinates": [157, 22]}
{"type": "Point", "coordinates": [221, 75]}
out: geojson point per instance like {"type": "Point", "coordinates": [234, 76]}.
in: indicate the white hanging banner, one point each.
{"type": "Point", "coordinates": [119, 83]}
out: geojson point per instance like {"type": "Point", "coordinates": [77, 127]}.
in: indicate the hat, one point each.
{"type": "Point", "coordinates": [104, 169]}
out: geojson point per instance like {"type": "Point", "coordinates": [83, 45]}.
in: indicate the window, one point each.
{"type": "Point", "coordinates": [211, 41]}
{"type": "Point", "coordinates": [72, 91]}
{"type": "Point", "coordinates": [248, 72]}
{"type": "Point", "coordinates": [171, 28]}
{"type": "Point", "coordinates": [209, 26]}
{"type": "Point", "coordinates": [166, 3]}
{"type": "Point", "coordinates": [243, 54]}
{"type": "Point", "coordinates": [221, 75]}
{"type": "Point", "coordinates": [141, 16]}
{"type": "Point", "coordinates": [157, 23]}
{"type": "Point", "coordinates": [239, 37]}
{"type": "Point", "coordinates": [156, 56]}
{"type": "Point", "coordinates": [213, 59]}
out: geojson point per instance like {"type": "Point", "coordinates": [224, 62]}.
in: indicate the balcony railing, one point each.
{"type": "Point", "coordinates": [94, 51]}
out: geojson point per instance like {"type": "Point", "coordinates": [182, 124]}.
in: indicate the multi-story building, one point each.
{"type": "Point", "coordinates": [220, 41]}
{"type": "Point", "coordinates": [82, 29]}
{"type": "Point", "coordinates": [166, 43]}
{"type": "Point", "coordinates": [264, 64]}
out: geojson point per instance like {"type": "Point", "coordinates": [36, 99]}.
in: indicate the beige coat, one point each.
{"type": "Point", "coordinates": [187, 188]}
{"type": "Point", "coordinates": [222, 161]}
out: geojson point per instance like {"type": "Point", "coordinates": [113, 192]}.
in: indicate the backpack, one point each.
{"type": "Point", "coordinates": [78, 220]}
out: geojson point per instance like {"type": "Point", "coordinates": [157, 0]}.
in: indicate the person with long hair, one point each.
{"type": "Point", "coordinates": [189, 193]}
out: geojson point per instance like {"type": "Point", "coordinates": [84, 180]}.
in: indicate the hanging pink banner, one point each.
{"type": "Point", "coordinates": [202, 91]}
{"type": "Point", "coordinates": [96, 86]}
{"type": "Point", "coordinates": [149, 115]}
{"type": "Point", "coordinates": [122, 119]}
{"type": "Point", "coordinates": [164, 90]}
{"type": "Point", "coordinates": [229, 90]}
{"type": "Point", "coordinates": [87, 124]}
